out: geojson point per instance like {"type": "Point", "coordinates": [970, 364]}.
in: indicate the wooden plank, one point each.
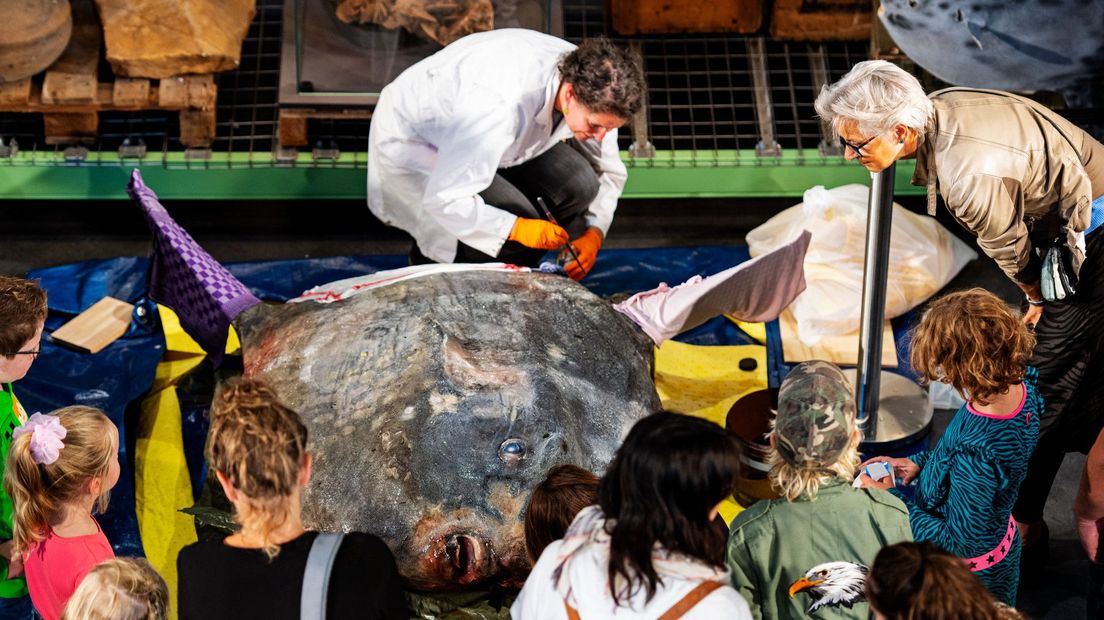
{"type": "Point", "coordinates": [197, 127]}
{"type": "Point", "coordinates": [292, 124]}
{"type": "Point", "coordinates": [666, 16]}
{"type": "Point", "coordinates": [187, 91]}
{"type": "Point", "coordinates": [17, 92]}
{"type": "Point", "coordinates": [95, 328]}
{"type": "Point", "coordinates": [72, 78]}
{"type": "Point", "coordinates": [821, 20]}
{"type": "Point", "coordinates": [842, 350]}
{"type": "Point", "coordinates": [131, 93]}
{"type": "Point", "coordinates": [69, 88]}
{"type": "Point", "coordinates": [64, 98]}
{"type": "Point", "coordinates": [292, 128]}
{"type": "Point", "coordinates": [65, 128]}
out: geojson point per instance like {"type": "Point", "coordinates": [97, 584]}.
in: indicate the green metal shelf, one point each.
{"type": "Point", "coordinates": [671, 174]}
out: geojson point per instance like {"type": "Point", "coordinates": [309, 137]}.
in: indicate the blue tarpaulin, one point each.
{"type": "Point", "coordinates": [119, 376]}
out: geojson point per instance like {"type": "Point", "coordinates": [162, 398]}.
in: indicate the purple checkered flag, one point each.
{"type": "Point", "coordinates": [184, 277]}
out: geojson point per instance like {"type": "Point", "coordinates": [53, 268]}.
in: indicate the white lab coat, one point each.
{"type": "Point", "coordinates": [589, 577]}
{"type": "Point", "coordinates": [443, 128]}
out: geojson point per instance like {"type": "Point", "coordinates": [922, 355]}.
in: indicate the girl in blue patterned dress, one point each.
{"type": "Point", "coordinates": [966, 486]}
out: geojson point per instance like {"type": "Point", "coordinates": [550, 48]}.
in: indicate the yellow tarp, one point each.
{"type": "Point", "coordinates": [705, 381]}
{"type": "Point", "coordinates": [162, 484]}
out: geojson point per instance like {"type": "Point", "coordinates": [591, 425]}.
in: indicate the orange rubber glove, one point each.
{"type": "Point", "coordinates": [538, 234]}
{"type": "Point", "coordinates": [586, 246]}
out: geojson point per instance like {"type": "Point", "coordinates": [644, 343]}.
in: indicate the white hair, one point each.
{"type": "Point", "coordinates": [877, 96]}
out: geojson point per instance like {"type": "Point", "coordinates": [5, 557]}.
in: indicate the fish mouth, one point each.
{"type": "Point", "coordinates": [466, 556]}
{"type": "Point", "coordinates": [460, 558]}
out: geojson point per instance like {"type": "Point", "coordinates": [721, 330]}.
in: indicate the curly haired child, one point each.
{"type": "Point", "coordinates": [967, 484]}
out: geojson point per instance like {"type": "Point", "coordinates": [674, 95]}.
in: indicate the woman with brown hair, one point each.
{"type": "Point", "coordinates": [256, 447]}
{"type": "Point", "coordinates": [967, 484]}
{"type": "Point", "coordinates": [649, 549]}
{"type": "Point", "coordinates": [565, 491]}
{"type": "Point", "coordinates": [920, 581]}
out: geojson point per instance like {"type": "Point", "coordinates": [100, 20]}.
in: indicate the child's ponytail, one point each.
{"type": "Point", "coordinates": [51, 461]}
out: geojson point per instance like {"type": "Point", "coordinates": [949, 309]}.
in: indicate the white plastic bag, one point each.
{"type": "Point", "coordinates": [923, 257]}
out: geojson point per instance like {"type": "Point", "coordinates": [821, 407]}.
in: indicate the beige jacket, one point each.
{"type": "Point", "coordinates": [1009, 175]}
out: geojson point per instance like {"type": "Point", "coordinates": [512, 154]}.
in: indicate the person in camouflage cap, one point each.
{"type": "Point", "coordinates": [816, 415]}
{"type": "Point", "coordinates": [805, 554]}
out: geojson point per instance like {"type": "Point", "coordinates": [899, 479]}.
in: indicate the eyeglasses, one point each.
{"type": "Point", "coordinates": [33, 354]}
{"type": "Point", "coordinates": [857, 147]}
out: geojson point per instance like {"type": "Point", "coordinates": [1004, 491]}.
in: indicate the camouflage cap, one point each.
{"type": "Point", "coordinates": [816, 415]}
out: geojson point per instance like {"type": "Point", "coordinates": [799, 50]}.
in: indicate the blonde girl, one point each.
{"type": "Point", "coordinates": [256, 448]}
{"type": "Point", "coordinates": [60, 469]}
{"type": "Point", "coordinates": [120, 589]}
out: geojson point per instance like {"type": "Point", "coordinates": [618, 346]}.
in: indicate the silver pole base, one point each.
{"type": "Point", "coordinates": [904, 414]}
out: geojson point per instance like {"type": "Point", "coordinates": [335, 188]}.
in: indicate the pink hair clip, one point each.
{"type": "Point", "coordinates": [46, 435]}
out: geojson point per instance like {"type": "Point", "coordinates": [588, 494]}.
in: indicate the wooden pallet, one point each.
{"type": "Point", "coordinates": [292, 124]}
{"type": "Point", "coordinates": [70, 96]}
{"type": "Point", "coordinates": [70, 103]}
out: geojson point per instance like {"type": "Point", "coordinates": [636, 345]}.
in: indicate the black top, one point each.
{"type": "Point", "coordinates": [217, 581]}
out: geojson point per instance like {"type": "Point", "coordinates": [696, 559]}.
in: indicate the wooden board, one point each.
{"type": "Point", "coordinates": [842, 350]}
{"type": "Point", "coordinates": [821, 20]}
{"type": "Point", "coordinates": [95, 328]}
{"type": "Point", "coordinates": [665, 16]}
{"type": "Point", "coordinates": [292, 124]}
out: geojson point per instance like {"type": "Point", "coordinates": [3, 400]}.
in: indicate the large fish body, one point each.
{"type": "Point", "coordinates": [1021, 45]}
{"type": "Point", "coordinates": [435, 405]}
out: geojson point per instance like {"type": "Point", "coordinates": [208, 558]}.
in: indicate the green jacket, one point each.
{"type": "Point", "coordinates": [11, 418]}
{"type": "Point", "coordinates": [774, 544]}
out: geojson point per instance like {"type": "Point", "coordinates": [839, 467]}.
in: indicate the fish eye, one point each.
{"type": "Point", "coordinates": [511, 450]}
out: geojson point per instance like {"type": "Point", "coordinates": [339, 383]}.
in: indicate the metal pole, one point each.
{"type": "Point", "coordinates": [879, 224]}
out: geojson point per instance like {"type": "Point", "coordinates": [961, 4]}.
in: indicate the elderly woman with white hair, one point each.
{"type": "Point", "coordinates": [1023, 180]}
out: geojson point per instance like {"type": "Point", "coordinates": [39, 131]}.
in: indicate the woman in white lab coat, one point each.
{"type": "Point", "coordinates": [464, 142]}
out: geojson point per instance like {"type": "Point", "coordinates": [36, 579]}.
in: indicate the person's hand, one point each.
{"type": "Point", "coordinates": [1034, 295]}
{"type": "Point", "coordinates": [586, 246]}
{"type": "Point", "coordinates": [903, 469]}
{"type": "Point", "coordinates": [867, 482]}
{"type": "Point", "coordinates": [538, 234]}
{"type": "Point", "coordinates": [15, 564]}
{"type": "Point", "coordinates": [1088, 530]}
{"type": "Point", "coordinates": [1032, 316]}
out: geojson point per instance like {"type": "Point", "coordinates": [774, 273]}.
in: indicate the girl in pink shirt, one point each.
{"type": "Point", "coordinates": [61, 466]}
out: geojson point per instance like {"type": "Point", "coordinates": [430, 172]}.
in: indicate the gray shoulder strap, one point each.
{"type": "Point", "coordinates": [316, 577]}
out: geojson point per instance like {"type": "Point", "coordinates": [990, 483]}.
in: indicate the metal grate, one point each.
{"type": "Point", "coordinates": [701, 98]}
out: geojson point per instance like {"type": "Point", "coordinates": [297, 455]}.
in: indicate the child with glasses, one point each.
{"type": "Point", "coordinates": [22, 316]}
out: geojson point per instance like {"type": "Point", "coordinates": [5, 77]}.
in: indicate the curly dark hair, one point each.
{"type": "Point", "coordinates": [607, 79]}
{"type": "Point", "coordinates": [664, 480]}
{"type": "Point", "coordinates": [920, 581]}
{"type": "Point", "coordinates": [971, 340]}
